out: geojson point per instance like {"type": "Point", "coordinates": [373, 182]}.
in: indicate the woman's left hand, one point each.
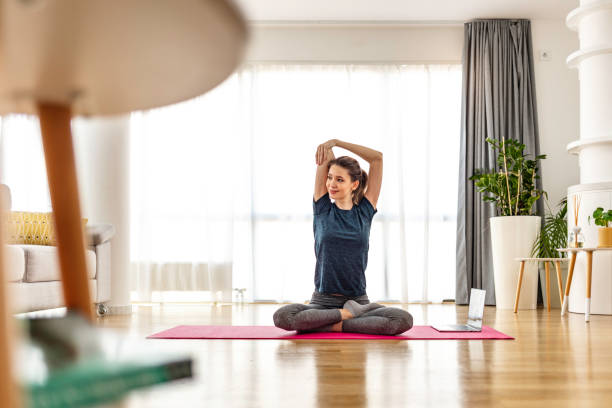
{"type": "Point", "coordinates": [323, 149]}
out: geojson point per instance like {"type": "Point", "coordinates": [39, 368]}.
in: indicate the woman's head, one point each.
{"type": "Point", "coordinates": [346, 178]}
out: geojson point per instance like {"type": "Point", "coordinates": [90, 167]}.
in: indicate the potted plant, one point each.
{"type": "Point", "coordinates": [552, 236]}
{"type": "Point", "coordinates": [511, 186]}
{"type": "Point", "coordinates": [603, 218]}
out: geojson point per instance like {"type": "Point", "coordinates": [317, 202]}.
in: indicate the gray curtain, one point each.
{"type": "Point", "coordinates": [498, 102]}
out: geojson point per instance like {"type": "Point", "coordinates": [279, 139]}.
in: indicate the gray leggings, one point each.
{"type": "Point", "coordinates": [315, 317]}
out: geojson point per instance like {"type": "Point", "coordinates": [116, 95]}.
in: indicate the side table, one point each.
{"type": "Point", "coordinates": [557, 262]}
{"type": "Point", "coordinates": [589, 271]}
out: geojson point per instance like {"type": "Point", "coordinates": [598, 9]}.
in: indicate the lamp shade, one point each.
{"type": "Point", "coordinates": [105, 57]}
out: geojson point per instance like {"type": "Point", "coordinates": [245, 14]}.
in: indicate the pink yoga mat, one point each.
{"type": "Point", "coordinates": [271, 332]}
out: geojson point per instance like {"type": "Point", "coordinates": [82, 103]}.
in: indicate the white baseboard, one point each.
{"type": "Point", "coordinates": [119, 309]}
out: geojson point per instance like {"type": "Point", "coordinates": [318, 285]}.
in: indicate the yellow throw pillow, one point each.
{"type": "Point", "coordinates": [32, 228]}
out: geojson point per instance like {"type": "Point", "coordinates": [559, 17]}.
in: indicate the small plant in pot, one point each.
{"type": "Point", "coordinates": [553, 234]}
{"type": "Point", "coordinates": [603, 218]}
{"type": "Point", "coordinates": [511, 186]}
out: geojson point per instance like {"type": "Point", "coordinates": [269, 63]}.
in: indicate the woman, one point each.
{"type": "Point", "coordinates": [342, 232]}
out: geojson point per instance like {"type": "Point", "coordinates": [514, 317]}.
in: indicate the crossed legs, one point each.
{"type": "Point", "coordinates": [316, 318]}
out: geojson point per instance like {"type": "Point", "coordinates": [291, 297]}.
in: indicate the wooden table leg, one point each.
{"type": "Point", "coordinates": [559, 281]}
{"type": "Point", "coordinates": [568, 283]}
{"type": "Point", "coordinates": [8, 386]}
{"type": "Point", "coordinates": [547, 285]}
{"type": "Point", "coordinates": [518, 285]}
{"type": "Point", "coordinates": [61, 173]}
{"type": "Point", "coordinates": [8, 334]}
{"type": "Point", "coordinates": [587, 299]}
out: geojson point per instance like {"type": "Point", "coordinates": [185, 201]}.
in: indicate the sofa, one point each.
{"type": "Point", "coordinates": [34, 275]}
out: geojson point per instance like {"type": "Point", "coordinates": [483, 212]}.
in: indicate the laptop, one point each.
{"type": "Point", "coordinates": [475, 312]}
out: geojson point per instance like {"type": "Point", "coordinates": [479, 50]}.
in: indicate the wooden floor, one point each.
{"type": "Point", "coordinates": [554, 361]}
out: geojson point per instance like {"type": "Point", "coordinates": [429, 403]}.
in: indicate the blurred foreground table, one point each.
{"type": "Point", "coordinates": [86, 57]}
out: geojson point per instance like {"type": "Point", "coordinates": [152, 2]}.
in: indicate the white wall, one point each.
{"type": "Point", "coordinates": [557, 92]}
{"type": "Point", "coordinates": [359, 43]}
{"type": "Point", "coordinates": [556, 85]}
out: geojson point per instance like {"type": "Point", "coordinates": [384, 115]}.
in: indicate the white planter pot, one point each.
{"type": "Point", "coordinates": [512, 237]}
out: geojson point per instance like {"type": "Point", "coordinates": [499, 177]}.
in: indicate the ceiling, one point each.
{"type": "Point", "coordinates": [401, 10]}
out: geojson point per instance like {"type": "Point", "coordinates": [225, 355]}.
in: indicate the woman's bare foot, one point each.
{"type": "Point", "coordinates": [357, 310]}
{"type": "Point", "coordinates": [337, 327]}
{"type": "Point", "coordinates": [346, 314]}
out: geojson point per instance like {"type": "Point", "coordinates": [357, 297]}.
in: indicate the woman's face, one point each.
{"type": "Point", "coordinates": [339, 183]}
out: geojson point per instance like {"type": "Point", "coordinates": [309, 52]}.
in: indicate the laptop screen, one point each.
{"type": "Point", "coordinates": [476, 309]}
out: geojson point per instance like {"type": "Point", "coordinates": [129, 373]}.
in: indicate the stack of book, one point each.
{"type": "Point", "coordinates": [68, 363]}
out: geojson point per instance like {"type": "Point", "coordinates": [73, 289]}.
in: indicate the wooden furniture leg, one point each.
{"type": "Point", "coordinates": [568, 283]}
{"type": "Point", "coordinates": [63, 188]}
{"type": "Point", "coordinates": [587, 299]}
{"type": "Point", "coordinates": [8, 386]}
{"type": "Point", "coordinates": [518, 285]}
{"type": "Point", "coordinates": [559, 281]}
{"type": "Point", "coordinates": [547, 285]}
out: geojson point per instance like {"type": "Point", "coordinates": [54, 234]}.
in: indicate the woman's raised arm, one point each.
{"type": "Point", "coordinates": [323, 156]}
{"type": "Point", "coordinates": [375, 158]}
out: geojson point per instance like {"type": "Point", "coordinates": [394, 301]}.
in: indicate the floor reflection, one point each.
{"type": "Point", "coordinates": [375, 373]}
{"type": "Point", "coordinates": [554, 360]}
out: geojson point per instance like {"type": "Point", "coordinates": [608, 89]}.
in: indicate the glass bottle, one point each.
{"type": "Point", "coordinates": [576, 238]}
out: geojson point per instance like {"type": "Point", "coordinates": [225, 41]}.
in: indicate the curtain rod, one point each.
{"type": "Point", "coordinates": [352, 62]}
{"type": "Point", "coordinates": [358, 23]}
{"type": "Point", "coordinates": [514, 20]}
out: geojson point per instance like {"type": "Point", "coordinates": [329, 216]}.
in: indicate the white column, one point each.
{"type": "Point", "coordinates": [102, 149]}
{"type": "Point", "coordinates": [593, 22]}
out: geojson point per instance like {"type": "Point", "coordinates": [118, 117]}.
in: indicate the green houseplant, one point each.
{"type": "Point", "coordinates": [603, 218]}
{"type": "Point", "coordinates": [511, 187]}
{"type": "Point", "coordinates": [553, 234]}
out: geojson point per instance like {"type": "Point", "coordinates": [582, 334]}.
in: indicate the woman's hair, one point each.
{"type": "Point", "coordinates": [356, 173]}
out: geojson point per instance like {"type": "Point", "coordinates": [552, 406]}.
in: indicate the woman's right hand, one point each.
{"type": "Point", "coordinates": [324, 152]}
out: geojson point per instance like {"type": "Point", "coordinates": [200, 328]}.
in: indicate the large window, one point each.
{"type": "Point", "coordinates": [222, 185]}
{"type": "Point", "coordinates": [22, 163]}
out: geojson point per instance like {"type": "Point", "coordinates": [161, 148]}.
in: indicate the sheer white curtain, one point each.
{"type": "Point", "coordinates": [222, 185]}
{"type": "Point", "coordinates": [22, 163]}
{"type": "Point", "coordinates": [190, 196]}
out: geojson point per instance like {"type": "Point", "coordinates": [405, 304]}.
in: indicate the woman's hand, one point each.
{"type": "Point", "coordinates": [324, 151]}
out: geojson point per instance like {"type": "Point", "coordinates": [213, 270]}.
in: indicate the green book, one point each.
{"type": "Point", "coordinates": [94, 382]}
{"type": "Point", "coordinates": [70, 363]}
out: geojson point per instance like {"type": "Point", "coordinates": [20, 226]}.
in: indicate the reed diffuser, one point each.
{"type": "Point", "coordinates": [576, 239]}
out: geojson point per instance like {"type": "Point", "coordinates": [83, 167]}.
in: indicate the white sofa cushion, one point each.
{"type": "Point", "coordinates": [42, 264]}
{"type": "Point", "coordinates": [15, 263]}
{"type": "Point", "coordinates": [26, 297]}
